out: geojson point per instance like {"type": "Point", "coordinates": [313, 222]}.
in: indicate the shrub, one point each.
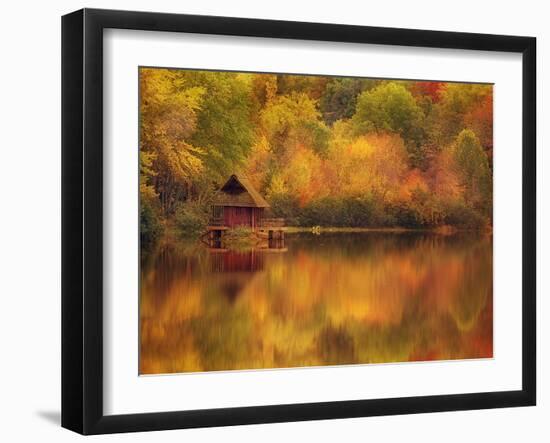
{"type": "Point", "coordinates": [359, 212]}
{"type": "Point", "coordinates": [150, 228]}
{"type": "Point", "coordinates": [238, 238]}
{"type": "Point", "coordinates": [406, 217]}
{"type": "Point", "coordinates": [328, 211]}
{"type": "Point", "coordinates": [462, 216]}
{"type": "Point", "coordinates": [348, 212]}
{"type": "Point", "coordinates": [285, 206]}
{"type": "Point", "coordinates": [190, 219]}
{"type": "Point", "coordinates": [366, 211]}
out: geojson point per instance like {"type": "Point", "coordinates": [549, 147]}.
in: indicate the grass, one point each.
{"type": "Point", "coordinates": [239, 238]}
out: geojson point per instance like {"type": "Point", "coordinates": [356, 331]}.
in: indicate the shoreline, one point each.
{"type": "Point", "coordinates": [444, 230]}
{"type": "Point", "coordinates": [171, 231]}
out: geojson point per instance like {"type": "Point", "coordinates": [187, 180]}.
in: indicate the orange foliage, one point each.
{"type": "Point", "coordinates": [413, 181]}
{"type": "Point", "coordinates": [480, 119]}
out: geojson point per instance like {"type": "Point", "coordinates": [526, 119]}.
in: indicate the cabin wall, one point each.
{"type": "Point", "coordinates": [234, 216]}
{"type": "Point", "coordinates": [257, 215]}
{"type": "Point", "coordinates": [237, 216]}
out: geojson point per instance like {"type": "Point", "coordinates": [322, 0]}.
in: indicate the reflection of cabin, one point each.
{"type": "Point", "coordinates": [239, 204]}
{"type": "Point", "coordinates": [238, 261]}
{"type": "Point", "coordinates": [235, 270]}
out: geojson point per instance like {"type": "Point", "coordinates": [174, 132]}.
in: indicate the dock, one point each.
{"type": "Point", "coordinates": [269, 229]}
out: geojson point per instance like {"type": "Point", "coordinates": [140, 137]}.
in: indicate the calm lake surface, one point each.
{"type": "Point", "coordinates": [326, 299]}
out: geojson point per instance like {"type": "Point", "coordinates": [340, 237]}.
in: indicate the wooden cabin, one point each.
{"type": "Point", "coordinates": [239, 204]}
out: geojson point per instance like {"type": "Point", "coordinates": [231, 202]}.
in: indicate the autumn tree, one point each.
{"type": "Point", "coordinates": [150, 227]}
{"type": "Point", "coordinates": [480, 119]}
{"type": "Point", "coordinates": [340, 97]}
{"type": "Point", "coordinates": [473, 170]}
{"type": "Point", "coordinates": [458, 100]}
{"type": "Point", "coordinates": [223, 128]}
{"type": "Point", "coordinates": [321, 150]}
{"type": "Point", "coordinates": [263, 90]}
{"type": "Point", "coordinates": [427, 90]}
{"type": "Point", "coordinates": [312, 86]}
{"type": "Point", "coordinates": [168, 118]}
{"type": "Point", "coordinates": [372, 164]}
{"type": "Point", "coordinates": [301, 177]}
{"type": "Point", "coordinates": [290, 121]}
{"type": "Point", "coordinates": [391, 107]}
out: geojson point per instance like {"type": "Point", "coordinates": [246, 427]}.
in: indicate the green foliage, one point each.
{"type": "Point", "coordinates": [239, 238]}
{"type": "Point", "coordinates": [150, 228]}
{"type": "Point", "coordinates": [348, 212]}
{"type": "Point", "coordinates": [328, 211]}
{"type": "Point", "coordinates": [473, 169]}
{"type": "Point", "coordinates": [340, 97]}
{"type": "Point", "coordinates": [464, 217]}
{"type": "Point", "coordinates": [406, 216]}
{"type": "Point", "coordinates": [451, 114]}
{"type": "Point", "coordinates": [192, 121]}
{"type": "Point", "coordinates": [223, 127]}
{"type": "Point", "coordinates": [288, 121]}
{"type": "Point", "coordinates": [168, 115]}
{"type": "Point", "coordinates": [191, 219]}
{"type": "Point", "coordinates": [391, 107]}
{"type": "Point", "coordinates": [367, 212]}
{"type": "Point", "coordinates": [285, 206]}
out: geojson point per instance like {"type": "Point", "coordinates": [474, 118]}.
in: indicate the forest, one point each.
{"type": "Point", "coordinates": [323, 151]}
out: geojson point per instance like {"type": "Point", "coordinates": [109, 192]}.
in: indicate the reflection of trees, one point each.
{"type": "Point", "coordinates": [224, 338]}
{"type": "Point", "coordinates": [336, 346]}
{"type": "Point", "coordinates": [477, 285]}
{"type": "Point", "coordinates": [333, 299]}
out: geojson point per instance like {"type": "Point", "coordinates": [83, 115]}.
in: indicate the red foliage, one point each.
{"type": "Point", "coordinates": [428, 89]}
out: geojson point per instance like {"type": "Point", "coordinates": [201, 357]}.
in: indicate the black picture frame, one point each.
{"type": "Point", "coordinates": [82, 221]}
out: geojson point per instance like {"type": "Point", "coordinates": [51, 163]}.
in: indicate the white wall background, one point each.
{"type": "Point", "coordinates": [30, 206]}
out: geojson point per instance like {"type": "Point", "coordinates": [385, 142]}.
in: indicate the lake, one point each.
{"type": "Point", "coordinates": [328, 299]}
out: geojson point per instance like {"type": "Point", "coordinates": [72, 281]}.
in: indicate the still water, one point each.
{"type": "Point", "coordinates": [326, 299]}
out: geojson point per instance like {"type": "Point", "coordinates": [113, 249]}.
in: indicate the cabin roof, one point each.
{"type": "Point", "coordinates": [238, 191]}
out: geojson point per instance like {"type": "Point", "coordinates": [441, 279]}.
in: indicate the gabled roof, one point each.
{"type": "Point", "coordinates": [238, 191]}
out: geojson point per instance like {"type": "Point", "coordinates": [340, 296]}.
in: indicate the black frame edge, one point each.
{"type": "Point", "coordinates": [308, 411]}
{"type": "Point", "coordinates": [72, 72]}
{"type": "Point", "coordinates": [82, 248]}
{"type": "Point", "coordinates": [93, 223]}
{"type": "Point", "coordinates": [529, 220]}
{"type": "Point", "coordinates": [293, 30]}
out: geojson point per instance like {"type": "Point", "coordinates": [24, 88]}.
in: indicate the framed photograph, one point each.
{"type": "Point", "coordinates": [270, 221]}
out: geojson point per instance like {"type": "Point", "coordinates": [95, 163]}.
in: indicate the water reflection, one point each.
{"type": "Point", "coordinates": [317, 300]}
